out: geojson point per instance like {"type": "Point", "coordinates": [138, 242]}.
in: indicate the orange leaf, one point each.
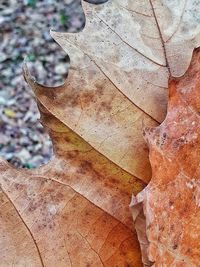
{"type": "Point", "coordinates": [171, 199]}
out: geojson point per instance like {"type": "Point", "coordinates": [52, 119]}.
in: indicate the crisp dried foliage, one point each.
{"type": "Point", "coordinates": [172, 198]}
{"type": "Point", "coordinates": [120, 65]}
{"type": "Point", "coordinates": [74, 211]}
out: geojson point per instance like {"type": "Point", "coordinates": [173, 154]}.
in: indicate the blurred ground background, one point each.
{"type": "Point", "coordinates": [24, 31]}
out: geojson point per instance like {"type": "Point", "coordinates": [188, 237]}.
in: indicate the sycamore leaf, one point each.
{"type": "Point", "coordinates": [172, 198]}
{"type": "Point", "coordinates": [120, 65]}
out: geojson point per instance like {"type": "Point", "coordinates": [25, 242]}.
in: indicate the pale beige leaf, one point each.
{"type": "Point", "coordinates": [120, 65]}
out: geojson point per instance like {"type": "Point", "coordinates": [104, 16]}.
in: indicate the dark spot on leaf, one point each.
{"type": "Point", "coordinates": [175, 246]}
{"type": "Point", "coordinates": [85, 167]}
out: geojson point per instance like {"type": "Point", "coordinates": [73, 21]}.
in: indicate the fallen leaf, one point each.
{"type": "Point", "coordinates": [9, 113]}
{"type": "Point", "coordinates": [72, 211]}
{"type": "Point", "coordinates": [172, 198]}
{"type": "Point", "coordinates": [120, 66]}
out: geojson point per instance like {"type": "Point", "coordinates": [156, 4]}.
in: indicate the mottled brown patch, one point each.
{"type": "Point", "coordinates": [84, 167]}
{"type": "Point", "coordinates": [87, 98]}
{"type": "Point", "coordinates": [19, 186]}
{"type": "Point", "coordinates": [71, 154]}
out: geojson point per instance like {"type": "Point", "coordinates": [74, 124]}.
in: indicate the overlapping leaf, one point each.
{"type": "Point", "coordinates": [74, 211]}
{"type": "Point", "coordinates": [120, 65]}
{"type": "Point", "coordinates": [171, 200]}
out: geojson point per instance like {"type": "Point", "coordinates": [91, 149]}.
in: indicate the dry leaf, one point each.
{"type": "Point", "coordinates": [74, 210]}
{"type": "Point", "coordinates": [172, 198]}
{"type": "Point", "coordinates": [120, 65]}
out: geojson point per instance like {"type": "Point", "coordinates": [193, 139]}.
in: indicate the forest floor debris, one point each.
{"type": "Point", "coordinates": [24, 32]}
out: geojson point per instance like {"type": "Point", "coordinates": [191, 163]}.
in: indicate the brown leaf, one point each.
{"type": "Point", "coordinates": [120, 65]}
{"type": "Point", "coordinates": [46, 223]}
{"type": "Point", "coordinates": [72, 211]}
{"type": "Point", "coordinates": [171, 200]}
